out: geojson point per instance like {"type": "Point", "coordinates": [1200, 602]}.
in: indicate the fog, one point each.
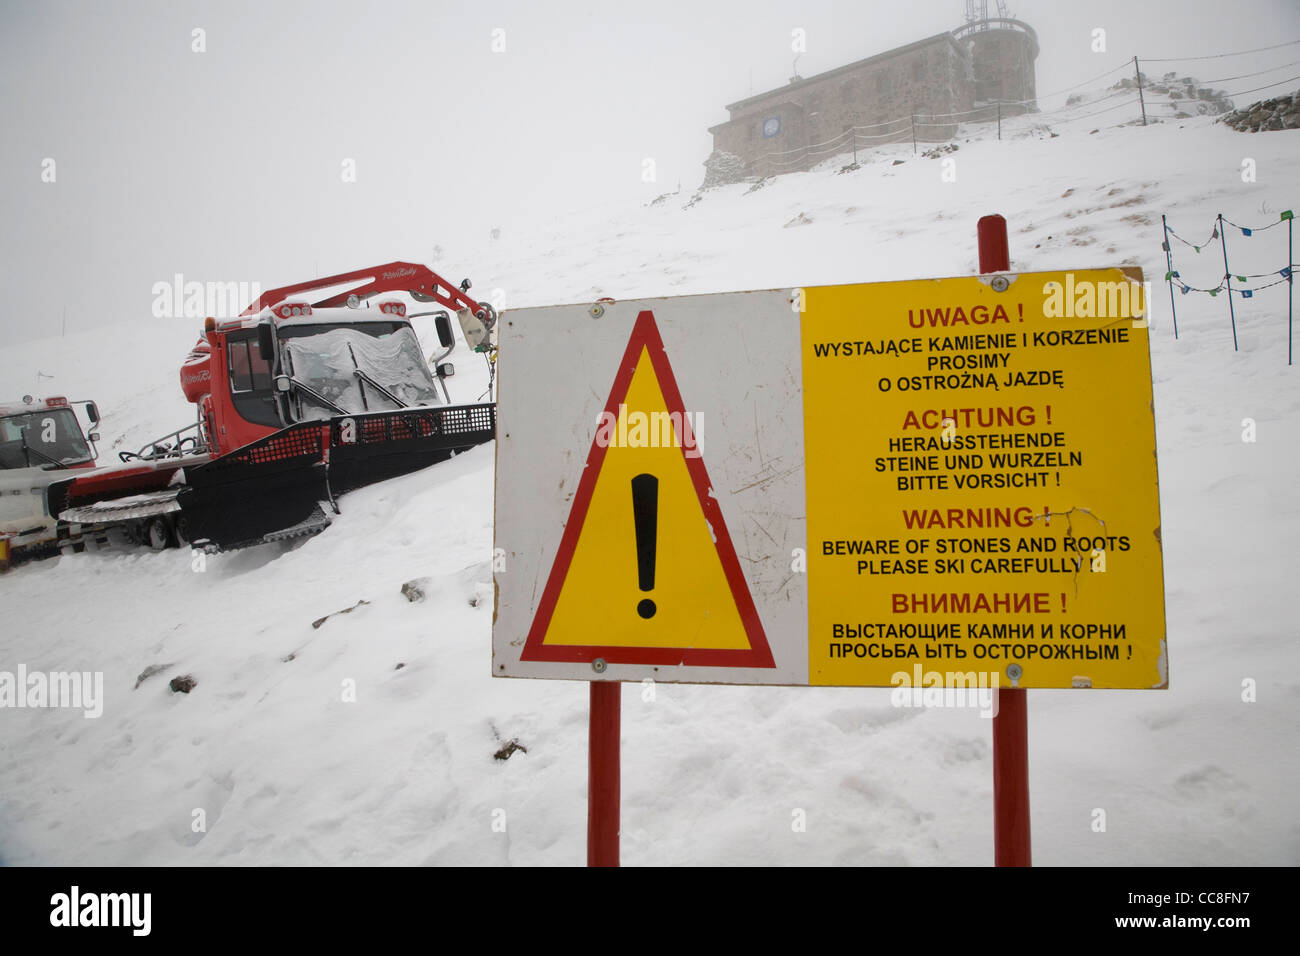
{"type": "Point", "coordinates": [231, 162]}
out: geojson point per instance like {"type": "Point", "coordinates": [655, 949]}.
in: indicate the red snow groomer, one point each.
{"type": "Point", "coordinates": [298, 401]}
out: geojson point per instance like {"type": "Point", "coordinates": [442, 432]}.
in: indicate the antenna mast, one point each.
{"type": "Point", "coordinates": [978, 10]}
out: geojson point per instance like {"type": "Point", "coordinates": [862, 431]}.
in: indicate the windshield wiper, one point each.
{"type": "Point", "coordinates": [385, 392]}
{"type": "Point", "coordinates": [363, 376]}
{"type": "Point", "coordinates": [28, 450]}
{"type": "Point", "coordinates": [316, 396]}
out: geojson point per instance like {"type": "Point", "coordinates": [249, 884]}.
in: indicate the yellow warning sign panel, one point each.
{"type": "Point", "coordinates": [646, 572]}
{"type": "Point", "coordinates": [981, 483]}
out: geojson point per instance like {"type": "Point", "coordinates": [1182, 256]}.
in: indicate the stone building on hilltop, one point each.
{"type": "Point", "coordinates": [922, 89]}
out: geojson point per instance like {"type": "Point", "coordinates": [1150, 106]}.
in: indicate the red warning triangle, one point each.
{"type": "Point", "coordinates": [646, 572]}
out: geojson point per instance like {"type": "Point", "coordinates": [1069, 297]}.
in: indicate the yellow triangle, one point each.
{"type": "Point", "coordinates": [694, 606]}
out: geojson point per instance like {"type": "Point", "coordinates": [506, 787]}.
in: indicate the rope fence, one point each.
{"type": "Point", "coordinates": [1247, 283]}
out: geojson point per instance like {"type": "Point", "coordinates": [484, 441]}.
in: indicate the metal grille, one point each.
{"type": "Point", "coordinates": [287, 444]}
{"type": "Point", "coordinates": [416, 424]}
{"type": "Point", "coordinates": [469, 418]}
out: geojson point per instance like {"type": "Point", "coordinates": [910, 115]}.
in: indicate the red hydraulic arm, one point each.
{"type": "Point", "coordinates": [420, 281]}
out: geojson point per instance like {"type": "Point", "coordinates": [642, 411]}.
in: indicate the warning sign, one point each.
{"type": "Point", "coordinates": [992, 507]}
{"type": "Point", "coordinates": [646, 572]}
{"type": "Point", "coordinates": [949, 480]}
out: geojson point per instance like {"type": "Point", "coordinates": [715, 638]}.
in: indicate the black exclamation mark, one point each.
{"type": "Point", "coordinates": [645, 512]}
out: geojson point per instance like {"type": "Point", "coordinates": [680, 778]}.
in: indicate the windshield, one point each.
{"type": "Point", "coordinates": [42, 437]}
{"type": "Point", "coordinates": [327, 361]}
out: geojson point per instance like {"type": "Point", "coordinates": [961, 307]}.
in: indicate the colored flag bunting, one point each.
{"type": "Point", "coordinates": [1286, 273]}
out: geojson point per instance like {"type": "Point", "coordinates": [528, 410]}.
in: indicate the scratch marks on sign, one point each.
{"type": "Point", "coordinates": [759, 481]}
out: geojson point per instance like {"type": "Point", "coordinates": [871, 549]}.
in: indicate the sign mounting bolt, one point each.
{"type": "Point", "coordinates": [1014, 671]}
{"type": "Point", "coordinates": [1000, 283]}
{"type": "Point", "coordinates": [599, 665]}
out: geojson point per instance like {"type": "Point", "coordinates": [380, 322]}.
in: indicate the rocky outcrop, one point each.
{"type": "Point", "coordinates": [722, 169]}
{"type": "Point", "coordinates": [1281, 112]}
{"type": "Point", "coordinates": [1191, 97]}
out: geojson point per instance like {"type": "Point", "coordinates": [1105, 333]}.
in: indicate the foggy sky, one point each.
{"type": "Point", "coordinates": [226, 165]}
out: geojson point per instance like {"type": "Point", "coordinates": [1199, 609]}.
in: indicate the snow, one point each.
{"type": "Point", "coordinates": [287, 772]}
{"type": "Point", "coordinates": [147, 498]}
{"type": "Point", "coordinates": [325, 362]}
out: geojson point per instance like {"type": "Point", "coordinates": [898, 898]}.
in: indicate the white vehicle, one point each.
{"type": "Point", "coordinates": [40, 439]}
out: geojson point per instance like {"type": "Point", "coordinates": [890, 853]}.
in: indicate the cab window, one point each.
{"type": "Point", "coordinates": [249, 372]}
{"type": "Point", "coordinates": [252, 390]}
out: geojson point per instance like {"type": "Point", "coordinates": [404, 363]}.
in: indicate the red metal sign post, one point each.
{"type": "Point", "coordinates": [1010, 721]}
{"type": "Point", "coordinates": [603, 773]}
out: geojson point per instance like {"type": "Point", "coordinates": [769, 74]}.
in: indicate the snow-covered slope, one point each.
{"type": "Point", "coordinates": [286, 771]}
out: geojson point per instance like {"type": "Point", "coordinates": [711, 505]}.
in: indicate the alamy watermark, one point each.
{"type": "Point", "coordinates": [75, 908]}
{"type": "Point", "coordinates": [179, 299]}
{"type": "Point", "coordinates": [922, 688]}
{"type": "Point", "coordinates": [83, 690]}
{"type": "Point", "coordinates": [684, 430]}
{"type": "Point", "coordinates": [1086, 299]}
